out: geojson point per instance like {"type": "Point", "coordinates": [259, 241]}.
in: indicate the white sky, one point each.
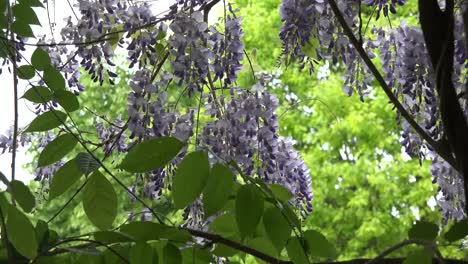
{"type": "Point", "coordinates": [26, 114]}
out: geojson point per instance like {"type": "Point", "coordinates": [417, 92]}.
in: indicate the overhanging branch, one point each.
{"type": "Point", "coordinates": [438, 147]}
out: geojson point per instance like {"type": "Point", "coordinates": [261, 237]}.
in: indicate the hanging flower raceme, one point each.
{"type": "Point", "coordinates": [451, 198]}
{"type": "Point", "coordinates": [385, 5]}
{"type": "Point", "coordinates": [247, 134]}
{"type": "Point", "coordinates": [189, 47]}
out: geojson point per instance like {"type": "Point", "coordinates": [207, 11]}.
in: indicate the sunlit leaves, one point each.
{"type": "Point", "coordinates": [151, 154]}
{"type": "Point", "coordinates": [86, 163]}
{"type": "Point", "coordinates": [26, 72]}
{"type": "Point", "coordinates": [22, 195]}
{"type": "Point", "coordinates": [249, 209]}
{"type": "Point", "coordinates": [458, 231]}
{"type": "Point", "coordinates": [57, 149]}
{"type": "Point", "coordinates": [64, 178]}
{"type": "Point", "coordinates": [100, 201]}
{"type": "Point", "coordinates": [22, 234]}
{"type": "Point", "coordinates": [277, 227]}
{"type": "Point", "coordinates": [190, 178]}
{"type": "Point", "coordinates": [424, 231]}
{"type": "Point", "coordinates": [40, 59]}
{"type": "Point", "coordinates": [46, 121]}
{"type": "Point", "coordinates": [218, 189]}
{"type": "Point", "coordinates": [38, 94]}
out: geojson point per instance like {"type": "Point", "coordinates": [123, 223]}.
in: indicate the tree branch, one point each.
{"type": "Point", "coordinates": [233, 244]}
{"type": "Point", "coordinates": [438, 147]}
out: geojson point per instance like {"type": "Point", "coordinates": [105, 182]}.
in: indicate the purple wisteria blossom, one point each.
{"type": "Point", "coordinates": [189, 47]}
{"type": "Point", "coordinates": [247, 134]}
{"type": "Point", "coordinates": [385, 5]}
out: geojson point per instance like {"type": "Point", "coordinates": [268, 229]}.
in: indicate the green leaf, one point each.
{"type": "Point", "coordinates": [423, 230]}
{"type": "Point", "coordinates": [419, 256]}
{"type": "Point", "coordinates": [22, 195]}
{"type": "Point", "coordinates": [146, 231]}
{"type": "Point", "coordinates": [224, 225]}
{"type": "Point", "coordinates": [196, 256]}
{"type": "Point", "coordinates": [57, 149]}
{"type": "Point", "coordinates": [22, 234]}
{"type": "Point", "coordinates": [288, 211]}
{"type": "Point", "coordinates": [143, 231]}
{"type": "Point", "coordinates": [100, 201]}
{"type": "Point", "coordinates": [4, 179]}
{"type": "Point", "coordinates": [458, 231]}
{"type": "Point", "coordinates": [67, 100]}
{"type": "Point", "coordinates": [22, 29]}
{"type": "Point", "coordinates": [222, 250]}
{"type": "Point", "coordinates": [65, 177]}
{"type": "Point", "coordinates": [296, 252]}
{"type": "Point", "coordinates": [318, 245]}
{"type": "Point", "coordinates": [40, 59]}
{"type": "Point", "coordinates": [86, 163]}
{"type": "Point", "coordinates": [141, 253]}
{"type": "Point", "coordinates": [26, 72]}
{"type": "Point", "coordinates": [263, 245]}
{"type": "Point", "coordinates": [190, 178]}
{"type": "Point", "coordinates": [249, 209]}
{"type": "Point", "coordinates": [42, 233]}
{"type": "Point", "coordinates": [151, 154]}
{"type": "Point", "coordinates": [38, 95]}
{"type": "Point", "coordinates": [217, 190]}
{"type": "Point", "coordinates": [109, 256]}
{"type": "Point", "coordinates": [112, 237]}
{"type": "Point", "coordinates": [33, 3]}
{"type": "Point", "coordinates": [280, 192]}
{"type": "Point", "coordinates": [26, 14]}
{"type": "Point", "coordinates": [4, 204]}
{"type": "Point", "coordinates": [54, 79]}
{"type": "Point", "coordinates": [47, 121]}
{"type": "Point", "coordinates": [277, 227]}
{"type": "Point", "coordinates": [171, 254]}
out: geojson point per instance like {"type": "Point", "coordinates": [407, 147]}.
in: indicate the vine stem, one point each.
{"type": "Point", "coordinates": [15, 100]}
{"type": "Point", "coordinates": [438, 147]}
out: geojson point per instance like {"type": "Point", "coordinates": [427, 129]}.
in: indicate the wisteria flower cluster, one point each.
{"type": "Point", "coordinates": [248, 133]}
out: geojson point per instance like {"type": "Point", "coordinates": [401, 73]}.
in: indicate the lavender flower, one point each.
{"type": "Point", "coordinates": [188, 46]}
{"type": "Point", "coordinates": [248, 131]}
{"type": "Point", "coordinates": [452, 199]}
{"type": "Point", "coordinates": [385, 5]}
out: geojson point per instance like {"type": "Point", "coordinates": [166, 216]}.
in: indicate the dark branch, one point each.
{"type": "Point", "coordinates": [441, 149]}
